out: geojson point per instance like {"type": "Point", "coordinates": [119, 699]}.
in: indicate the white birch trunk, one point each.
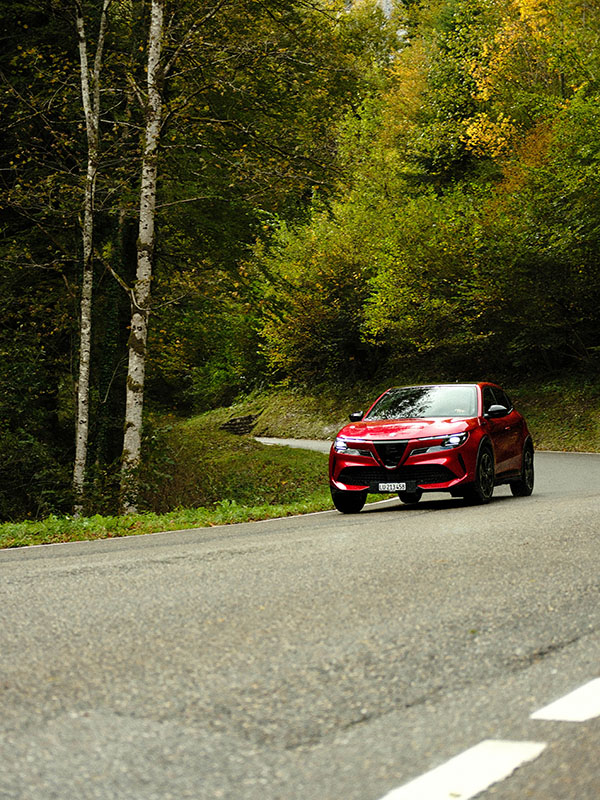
{"type": "Point", "coordinates": [140, 307]}
{"type": "Point", "coordinates": [90, 96]}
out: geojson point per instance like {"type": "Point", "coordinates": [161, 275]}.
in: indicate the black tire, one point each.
{"type": "Point", "coordinates": [348, 502]}
{"type": "Point", "coordinates": [524, 486]}
{"type": "Point", "coordinates": [481, 491]}
{"type": "Point", "coordinates": [410, 498]}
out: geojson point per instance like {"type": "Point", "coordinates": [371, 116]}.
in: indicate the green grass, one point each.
{"type": "Point", "coordinates": [69, 529]}
{"type": "Point", "coordinates": [562, 415]}
{"type": "Point", "coordinates": [295, 414]}
{"type": "Point", "coordinates": [198, 465]}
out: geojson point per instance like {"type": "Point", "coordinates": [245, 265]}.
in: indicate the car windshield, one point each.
{"type": "Point", "coordinates": [418, 402]}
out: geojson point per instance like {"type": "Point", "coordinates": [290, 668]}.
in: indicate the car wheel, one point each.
{"type": "Point", "coordinates": [410, 498]}
{"type": "Point", "coordinates": [524, 486]}
{"type": "Point", "coordinates": [482, 490]}
{"type": "Point", "coordinates": [348, 502]}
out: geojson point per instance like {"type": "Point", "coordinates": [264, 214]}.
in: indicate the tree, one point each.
{"type": "Point", "coordinates": [90, 94]}
{"type": "Point", "coordinates": [235, 78]}
{"type": "Point", "coordinates": [132, 442]}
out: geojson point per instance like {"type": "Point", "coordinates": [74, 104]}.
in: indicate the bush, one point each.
{"type": "Point", "coordinates": [32, 482]}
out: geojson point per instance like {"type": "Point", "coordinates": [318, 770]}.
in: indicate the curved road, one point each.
{"type": "Point", "coordinates": [312, 658]}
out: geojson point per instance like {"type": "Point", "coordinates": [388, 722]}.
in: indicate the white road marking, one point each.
{"type": "Point", "coordinates": [469, 773]}
{"type": "Point", "coordinates": [577, 706]}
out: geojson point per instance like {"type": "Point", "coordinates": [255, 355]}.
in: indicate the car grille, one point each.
{"type": "Point", "coordinates": [365, 476]}
{"type": "Point", "coordinates": [390, 452]}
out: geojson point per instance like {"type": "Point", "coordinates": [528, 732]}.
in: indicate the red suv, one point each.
{"type": "Point", "coordinates": [458, 438]}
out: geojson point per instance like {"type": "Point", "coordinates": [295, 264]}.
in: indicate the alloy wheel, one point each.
{"type": "Point", "coordinates": [485, 476]}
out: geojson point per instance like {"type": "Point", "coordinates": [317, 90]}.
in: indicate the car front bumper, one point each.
{"type": "Point", "coordinates": [445, 472]}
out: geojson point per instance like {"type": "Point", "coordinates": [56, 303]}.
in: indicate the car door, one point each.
{"type": "Point", "coordinates": [503, 431]}
{"type": "Point", "coordinates": [513, 432]}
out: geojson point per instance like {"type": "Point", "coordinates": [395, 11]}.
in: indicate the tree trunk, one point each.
{"type": "Point", "coordinates": [90, 96]}
{"type": "Point", "coordinates": [140, 303]}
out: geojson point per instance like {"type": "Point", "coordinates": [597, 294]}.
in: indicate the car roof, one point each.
{"type": "Point", "coordinates": [458, 383]}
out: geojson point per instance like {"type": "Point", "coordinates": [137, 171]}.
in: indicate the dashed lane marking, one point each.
{"type": "Point", "coordinates": [491, 761]}
{"type": "Point", "coordinates": [469, 773]}
{"type": "Point", "coordinates": [577, 706]}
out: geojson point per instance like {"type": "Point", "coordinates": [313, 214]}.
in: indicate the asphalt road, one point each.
{"type": "Point", "coordinates": [313, 658]}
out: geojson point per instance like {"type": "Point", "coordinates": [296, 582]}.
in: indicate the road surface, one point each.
{"type": "Point", "coordinates": [322, 657]}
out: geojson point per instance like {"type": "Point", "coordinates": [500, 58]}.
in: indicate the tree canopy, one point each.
{"type": "Point", "coordinates": [465, 235]}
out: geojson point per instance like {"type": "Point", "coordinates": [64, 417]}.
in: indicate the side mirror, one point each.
{"type": "Point", "coordinates": [356, 416]}
{"type": "Point", "coordinates": [496, 410]}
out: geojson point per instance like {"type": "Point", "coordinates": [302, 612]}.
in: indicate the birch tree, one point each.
{"type": "Point", "coordinates": [140, 296]}
{"type": "Point", "coordinates": [90, 95]}
{"type": "Point", "coordinates": [156, 74]}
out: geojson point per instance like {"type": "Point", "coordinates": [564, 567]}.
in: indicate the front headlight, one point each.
{"type": "Point", "coordinates": [447, 443]}
{"type": "Point", "coordinates": [341, 446]}
{"type": "Point", "coordinates": [455, 439]}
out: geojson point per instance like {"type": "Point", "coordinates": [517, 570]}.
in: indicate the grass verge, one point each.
{"type": "Point", "coordinates": [69, 529]}
{"type": "Point", "coordinates": [198, 465]}
{"type": "Point", "coordinates": [562, 415]}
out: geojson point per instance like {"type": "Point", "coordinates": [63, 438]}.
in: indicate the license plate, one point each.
{"type": "Point", "coordinates": [392, 487]}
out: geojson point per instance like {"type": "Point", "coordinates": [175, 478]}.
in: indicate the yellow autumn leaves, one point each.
{"type": "Point", "coordinates": [489, 137]}
{"type": "Point", "coordinates": [519, 38]}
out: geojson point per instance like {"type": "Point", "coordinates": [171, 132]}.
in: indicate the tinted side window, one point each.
{"type": "Point", "coordinates": [503, 398]}
{"type": "Point", "coordinates": [488, 399]}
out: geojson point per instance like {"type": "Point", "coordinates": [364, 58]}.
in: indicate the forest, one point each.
{"type": "Point", "coordinates": [203, 198]}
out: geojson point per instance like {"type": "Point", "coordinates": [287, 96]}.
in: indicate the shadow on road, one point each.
{"type": "Point", "coordinates": [428, 505]}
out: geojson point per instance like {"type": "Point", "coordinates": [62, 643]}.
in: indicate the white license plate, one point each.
{"type": "Point", "coordinates": [392, 487]}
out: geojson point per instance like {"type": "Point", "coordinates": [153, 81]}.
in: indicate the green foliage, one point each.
{"type": "Point", "coordinates": [34, 391]}
{"type": "Point", "coordinates": [470, 212]}
{"type": "Point", "coordinates": [564, 414]}
{"type": "Point", "coordinates": [252, 136]}
{"type": "Point", "coordinates": [314, 327]}
{"type": "Point", "coordinates": [34, 483]}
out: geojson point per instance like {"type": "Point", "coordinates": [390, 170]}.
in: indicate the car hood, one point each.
{"type": "Point", "coordinates": [406, 428]}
